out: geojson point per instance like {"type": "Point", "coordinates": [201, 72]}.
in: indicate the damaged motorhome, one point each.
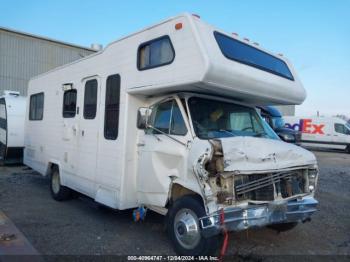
{"type": "Point", "coordinates": [166, 119]}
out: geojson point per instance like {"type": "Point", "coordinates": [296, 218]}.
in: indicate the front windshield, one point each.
{"type": "Point", "coordinates": [216, 119]}
{"type": "Point", "coordinates": [278, 122]}
{"type": "Point", "coordinates": [347, 125]}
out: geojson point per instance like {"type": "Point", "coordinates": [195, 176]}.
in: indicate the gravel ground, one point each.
{"type": "Point", "coordinates": [82, 227]}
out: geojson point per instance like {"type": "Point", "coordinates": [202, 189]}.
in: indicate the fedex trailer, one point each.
{"type": "Point", "coordinates": [322, 132]}
{"type": "Point", "coordinates": [12, 116]}
{"type": "Point", "coordinates": [165, 119]}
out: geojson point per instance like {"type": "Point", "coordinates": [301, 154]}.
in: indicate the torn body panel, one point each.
{"type": "Point", "coordinates": [279, 190]}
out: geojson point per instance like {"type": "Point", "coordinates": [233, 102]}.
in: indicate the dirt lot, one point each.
{"type": "Point", "coordinates": [81, 227]}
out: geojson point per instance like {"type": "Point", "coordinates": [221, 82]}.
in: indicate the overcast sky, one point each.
{"type": "Point", "coordinates": [314, 35]}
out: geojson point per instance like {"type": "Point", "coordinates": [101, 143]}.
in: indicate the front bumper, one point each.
{"type": "Point", "coordinates": [237, 219]}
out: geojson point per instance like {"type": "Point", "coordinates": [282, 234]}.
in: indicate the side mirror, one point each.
{"type": "Point", "coordinates": [142, 117]}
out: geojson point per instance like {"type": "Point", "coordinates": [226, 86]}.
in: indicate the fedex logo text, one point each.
{"type": "Point", "coordinates": [306, 126]}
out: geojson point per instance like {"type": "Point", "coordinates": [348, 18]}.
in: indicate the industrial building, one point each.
{"type": "Point", "coordinates": [24, 55]}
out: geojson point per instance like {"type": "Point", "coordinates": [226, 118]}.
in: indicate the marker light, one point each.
{"type": "Point", "coordinates": [246, 39]}
{"type": "Point", "coordinates": [255, 43]}
{"type": "Point", "coordinates": [178, 26]}
{"type": "Point", "coordinates": [195, 15]}
{"type": "Point", "coordinates": [235, 34]}
{"type": "Point", "coordinates": [280, 54]}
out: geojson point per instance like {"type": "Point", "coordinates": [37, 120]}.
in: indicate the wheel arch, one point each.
{"type": "Point", "coordinates": [50, 166]}
{"type": "Point", "coordinates": [177, 190]}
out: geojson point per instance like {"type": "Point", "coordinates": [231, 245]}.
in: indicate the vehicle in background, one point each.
{"type": "Point", "coordinates": [166, 119]}
{"type": "Point", "coordinates": [322, 132]}
{"type": "Point", "coordinates": [274, 118]}
{"type": "Point", "coordinates": [12, 117]}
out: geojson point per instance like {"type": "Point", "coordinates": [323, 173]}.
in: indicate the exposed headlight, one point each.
{"type": "Point", "coordinates": [312, 177]}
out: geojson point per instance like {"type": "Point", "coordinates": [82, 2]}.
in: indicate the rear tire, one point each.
{"type": "Point", "coordinates": [348, 149]}
{"type": "Point", "coordinates": [283, 226]}
{"type": "Point", "coordinates": [58, 192]}
{"type": "Point", "coordinates": [184, 229]}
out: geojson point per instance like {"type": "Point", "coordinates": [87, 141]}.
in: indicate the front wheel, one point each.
{"type": "Point", "coordinates": [184, 229]}
{"type": "Point", "coordinates": [58, 192]}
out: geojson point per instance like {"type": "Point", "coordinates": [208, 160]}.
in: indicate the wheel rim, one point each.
{"type": "Point", "coordinates": [186, 228]}
{"type": "Point", "coordinates": [55, 182]}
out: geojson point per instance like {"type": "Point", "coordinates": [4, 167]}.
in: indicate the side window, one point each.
{"type": "Point", "coordinates": [178, 126]}
{"type": "Point", "coordinates": [167, 117]}
{"type": "Point", "coordinates": [90, 99]}
{"type": "Point", "coordinates": [112, 107]}
{"type": "Point", "coordinates": [69, 103]}
{"type": "Point", "coordinates": [340, 128]}
{"type": "Point", "coordinates": [36, 107]}
{"type": "Point", "coordinates": [161, 117]}
{"type": "Point", "coordinates": [154, 53]}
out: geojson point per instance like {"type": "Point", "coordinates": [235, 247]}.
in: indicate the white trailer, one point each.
{"type": "Point", "coordinates": [12, 117]}
{"type": "Point", "coordinates": [321, 132]}
{"type": "Point", "coordinates": [165, 119]}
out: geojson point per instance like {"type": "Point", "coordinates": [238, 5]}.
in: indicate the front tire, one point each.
{"type": "Point", "coordinates": [58, 192]}
{"type": "Point", "coordinates": [184, 229]}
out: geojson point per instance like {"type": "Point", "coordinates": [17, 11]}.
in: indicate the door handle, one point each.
{"type": "Point", "coordinates": [140, 144]}
{"type": "Point", "coordinates": [82, 133]}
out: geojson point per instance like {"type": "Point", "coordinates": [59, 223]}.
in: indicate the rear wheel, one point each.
{"type": "Point", "coordinates": [58, 192]}
{"type": "Point", "coordinates": [283, 226]}
{"type": "Point", "coordinates": [348, 149]}
{"type": "Point", "coordinates": [184, 229]}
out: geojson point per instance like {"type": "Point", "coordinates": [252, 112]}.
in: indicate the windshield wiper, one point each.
{"type": "Point", "coordinates": [224, 130]}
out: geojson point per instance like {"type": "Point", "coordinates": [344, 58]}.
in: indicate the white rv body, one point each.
{"type": "Point", "coordinates": [322, 132]}
{"type": "Point", "coordinates": [139, 168]}
{"type": "Point", "coordinates": [12, 117]}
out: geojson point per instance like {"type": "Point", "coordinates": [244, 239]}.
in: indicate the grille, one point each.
{"type": "Point", "coordinates": [263, 187]}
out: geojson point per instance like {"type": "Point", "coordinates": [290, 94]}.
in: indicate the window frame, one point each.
{"type": "Point", "coordinates": [252, 64]}
{"type": "Point", "coordinates": [149, 43]}
{"type": "Point", "coordinates": [156, 105]}
{"type": "Point", "coordinates": [76, 99]}
{"type": "Point", "coordinates": [105, 109]}
{"type": "Point", "coordinates": [30, 100]}
{"type": "Point", "coordinates": [84, 104]}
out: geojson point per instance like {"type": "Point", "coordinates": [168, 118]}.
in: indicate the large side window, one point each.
{"type": "Point", "coordinates": [69, 103]}
{"type": "Point", "coordinates": [154, 53]}
{"type": "Point", "coordinates": [90, 99]}
{"type": "Point", "coordinates": [167, 118]}
{"type": "Point", "coordinates": [36, 107]}
{"type": "Point", "coordinates": [249, 55]}
{"type": "Point", "coordinates": [112, 107]}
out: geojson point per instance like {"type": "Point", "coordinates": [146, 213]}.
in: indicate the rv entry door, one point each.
{"type": "Point", "coordinates": [88, 134]}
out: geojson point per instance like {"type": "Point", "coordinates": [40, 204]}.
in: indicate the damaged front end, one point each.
{"type": "Point", "coordinates": [254, 198]}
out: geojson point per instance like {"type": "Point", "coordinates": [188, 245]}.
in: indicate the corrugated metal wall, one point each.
{"type": "Point", "coordinates": [22, 57]}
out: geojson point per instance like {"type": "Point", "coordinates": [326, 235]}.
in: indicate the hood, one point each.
{"type": "Point", "coordinates": [252, 154]}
